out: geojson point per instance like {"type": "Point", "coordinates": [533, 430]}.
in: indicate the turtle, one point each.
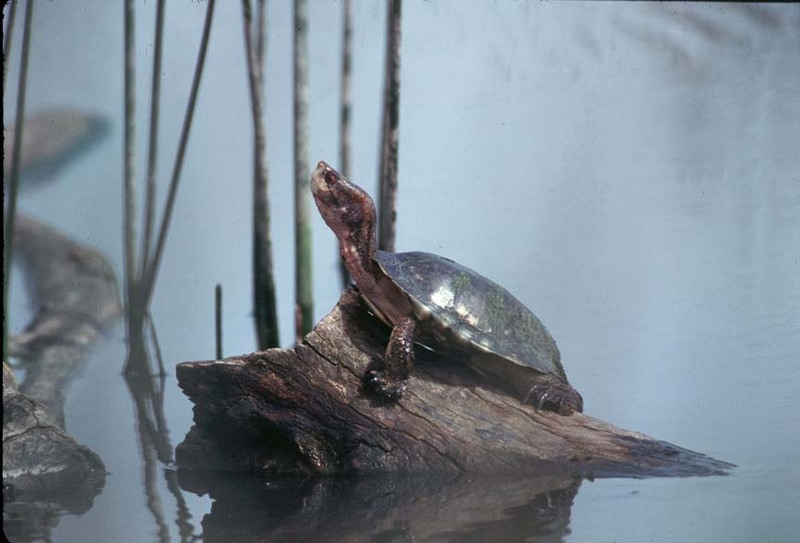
{"type": "Point", "coordinates": [444, 306]}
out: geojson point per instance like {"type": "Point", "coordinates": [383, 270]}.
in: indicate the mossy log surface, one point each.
{"type": "Point", "coordinates": [303, 410]}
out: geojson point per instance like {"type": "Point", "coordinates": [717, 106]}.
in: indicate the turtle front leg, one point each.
{"type": "Point", "coordinates": [388, 383]}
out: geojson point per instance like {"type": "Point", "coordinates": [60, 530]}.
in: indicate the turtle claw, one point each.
{"type": "Point", "coordinates": [554, 395]}
{"type": "Point", "coordinates": [386, 390]}
{"type": "Point", "coordinates": [542, 400]}
{"type": "Point", "coordinates": [539, 394]}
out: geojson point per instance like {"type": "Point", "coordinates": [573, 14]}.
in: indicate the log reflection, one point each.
{"type": "Point", "coordinates": [425, 507]}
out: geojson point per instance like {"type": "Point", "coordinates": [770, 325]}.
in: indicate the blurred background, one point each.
{"type": "Point", "coordinates": [629, 171]}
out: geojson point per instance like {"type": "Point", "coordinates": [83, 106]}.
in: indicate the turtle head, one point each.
{"type": "Point", "coordinates": [347, 210]}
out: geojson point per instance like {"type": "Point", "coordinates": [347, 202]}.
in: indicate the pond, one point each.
{"type": "Point", "coordinates": [630, 172]}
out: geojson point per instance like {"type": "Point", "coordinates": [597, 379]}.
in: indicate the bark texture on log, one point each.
{"type": "Point", "coordinates": [302, 410]}
{"type": "Point", "coordinates": [40, 458]}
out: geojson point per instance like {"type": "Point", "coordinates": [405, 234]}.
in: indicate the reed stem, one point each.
{"type": "Point", "coordinates": [153, 265]}
{"type": "Point", "coordinates": [162, 372]}
{"type": "Point", "coordinates": [11, 215]}
{"type": "Point", "coordinates": [12, 12]}
{"type": "Point", "coordinates": [218, 320]}
{"type": "Point", "coordinates": [387, 209]}
{"type": "Point", "coordinates": [264, 302]}
{"type": "Point", "coordinates": [261, 19]}
{"type": "Point", "coordinates": [344, 109]}
{"type": "Point", "coordinates": [304, 293]}
{"type": "Point", "coordinates": [133, 305]}
{"type": "Point", "coordinates": [152, 155]}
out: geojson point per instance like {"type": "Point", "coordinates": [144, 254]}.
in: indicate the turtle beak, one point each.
{"type": "Point", "coordinates": [318, 179]}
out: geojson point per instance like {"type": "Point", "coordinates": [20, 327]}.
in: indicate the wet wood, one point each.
{"type": "Point", "coordinates": [302, 410]}
{"type": "Point", "coordinates": [40, 459]}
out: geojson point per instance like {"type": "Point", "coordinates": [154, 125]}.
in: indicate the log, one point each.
{"type": "Point", "coordinates": [74, 291]}
{"type": "Point", "coordinates": [41, 462]}
{"type": "Point", "coordinates": [303, 411]}
{"type": "Point", "coordinates": [75, 295]}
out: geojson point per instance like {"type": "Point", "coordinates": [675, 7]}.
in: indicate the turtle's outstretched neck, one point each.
{"type": "Point", "coordinates": [350, 213]}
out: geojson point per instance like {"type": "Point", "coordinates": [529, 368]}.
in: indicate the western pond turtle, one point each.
{"type": "Point", "coordinates": [447, 307]}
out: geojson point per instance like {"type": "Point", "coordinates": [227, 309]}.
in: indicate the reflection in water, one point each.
{"type": "Point", "coordinates": [35, 521]}
{"type": "Point", "coordinates": [52, 139]}
{"type": "Point", "coordinates": [424, 507]}
{"type": "Point", "coordinates": [147, 393]}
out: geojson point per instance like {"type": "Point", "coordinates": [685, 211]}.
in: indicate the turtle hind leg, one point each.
{"type": "Point", "coordinates": [551, 393]}
{"type": "Point", "coordinates": [387, 381]}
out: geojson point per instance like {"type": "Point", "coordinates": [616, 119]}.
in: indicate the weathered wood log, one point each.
{"type": "Point", "coordinates": [40, 458]}
{"type": "Point", "coordinates": [74, 291]}
{"type": "Point", "coordinates": [303, 410]}
{"type": "Point", "coordinates": [75, 295]}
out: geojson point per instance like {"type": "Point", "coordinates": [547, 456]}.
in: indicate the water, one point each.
{"type": "Point", "coordinates": [629, 171]}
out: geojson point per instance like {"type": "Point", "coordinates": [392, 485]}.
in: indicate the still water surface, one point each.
{"type": "Point", "coordinates": [629, 171]}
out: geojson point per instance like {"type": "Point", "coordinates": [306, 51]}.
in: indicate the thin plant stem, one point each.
{"type": "Point", "coordinates": [345, 107]}
{"type": "Point", "coordinates": [156, 345]}
{"type": "Point", "coordinates": [152, 154]}
{"type": "Point", "coordinates": [11, 214]}
{"type": "Point", "coordinates": [152, 269]}
{"type": "Point", "coordinates": [12, 12]}
{"type": "Point", "coordinates": [304, 293]}
{"type": "Point", "coordinates": [218, 319]}
{"type": "Point", "coordinates": [264, 301]}
{"type": "Point", "coordinates": [260, 34]}
{"type": "Point", "coordinates": [133, 304]}
{"type": "Point", "coordinates": [387, 209]}
{"type": "Point", "coordinates": [345, 93]}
